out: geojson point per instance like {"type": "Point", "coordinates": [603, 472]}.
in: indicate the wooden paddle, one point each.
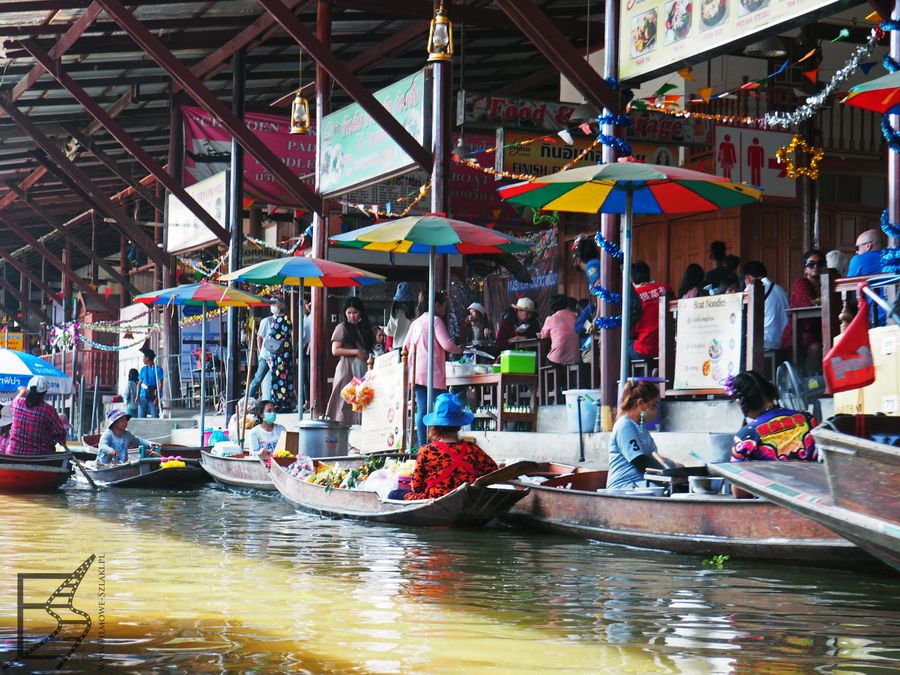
{"type": "Point", "coordinates": [508, 472]}
{"type": "Point", "coordinates": [77, 462]}
{"type": "Point", "coordinates": [243, 428]}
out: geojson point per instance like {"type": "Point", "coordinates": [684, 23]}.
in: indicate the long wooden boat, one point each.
{"type": "Point", "coordinates": [34, 473]}
{"type": "Point", "coordinates": [466, 506]}
{"type": "Point", "coordinates": [244, 471]}
{"type": "Point", "coordinates": [577, 503]}
{"type": "Point", "coordinates": [90, 442]}
{"type": "Point", "coordinates": [147, 473]}
{"type": "Point", "coordinates": [854, 493]}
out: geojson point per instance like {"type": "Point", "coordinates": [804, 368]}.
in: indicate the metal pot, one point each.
{"type": "Point", "coordinates": [323, 438]}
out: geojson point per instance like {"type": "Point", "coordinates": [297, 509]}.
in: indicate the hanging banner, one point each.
{"type": "Point", "coordinates": [748, 156]}
{"type": "Point", "coordinates": [660, 36]}
{"type": "Point", "coordinates": [544, 155]}
{"type": "Point", "coordinates": [708, 348]}
{"type": "Point", "coordinates": [652, 127]}
{"type": "Point", "coordinates": [207, 152]}
{"type": "Point", "coordinates": [485, 110]}
{"type": "Point", "coordinates": [356, 151]}
{"type": "Point", "coordinates": [184, 230]}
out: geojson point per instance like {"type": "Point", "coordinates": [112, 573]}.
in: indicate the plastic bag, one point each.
{"type": "Point", "coordinates": [382, 481]}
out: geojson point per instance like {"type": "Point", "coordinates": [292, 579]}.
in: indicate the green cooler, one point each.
{"type": "Point", "coordinates": [512, 361]}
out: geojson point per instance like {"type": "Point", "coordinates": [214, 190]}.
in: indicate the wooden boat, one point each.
{"type": "Point", "coordinates": [854, 493]}
{"type": "Point", "coordinates": [90, 442]}
{"type": "Point", "coordinates": [245, 471]}
{"type": "Point", "coordinates": [147, 473]}
{"type": "Point", "coordinates": [34, 473]}
{"type": "Point", "coordinates": [577, 503]}
{"type": "Point", "coordinates": [466, 506]}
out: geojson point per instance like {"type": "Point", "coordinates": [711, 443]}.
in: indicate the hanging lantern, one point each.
{"type": "Point", "coordinates": [440, 37]}
{"type": "Point", "coordinates": [299, 115]}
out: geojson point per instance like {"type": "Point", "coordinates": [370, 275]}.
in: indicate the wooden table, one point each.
{"type": "Point", "coordinates": [797, 314]}
{"type": "Point", "coordinates": [500, 381]}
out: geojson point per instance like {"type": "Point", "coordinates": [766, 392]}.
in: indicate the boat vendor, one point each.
{"type": "Point", "coordinates": [36, 427]}
{"type": "Point", "coordinates": [265, 435]}
{"type": "Point", "coordinates": [770, 432]}
{"type": "Point", "coordinates": [446, 462]}
{"type": "Point", "coordinates": [115, 441]}
{"type": "Point", "coordinates": [632, 451]}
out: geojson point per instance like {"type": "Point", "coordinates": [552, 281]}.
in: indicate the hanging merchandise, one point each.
{"type": "Point", "coordinates": [64, 337]}
{"type": "Point", "coordinates": [786, 155]}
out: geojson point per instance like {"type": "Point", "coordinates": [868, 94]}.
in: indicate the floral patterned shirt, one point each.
{"type": "Point", "coordinates": [443, 467]}
{"type": "Point", "coordinates": [778, 434]}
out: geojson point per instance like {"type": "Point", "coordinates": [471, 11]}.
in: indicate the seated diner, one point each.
{"type": "Point", "coordinates": [632, 451]}
{"type": "Point", "coordinates": [770, 432]}
{"type": "Point", "coordinates": [446, 462]}
{"type": "Point", "coordinates": [36, 427]}
{"type": "Point", "coordinates": [115, 441]}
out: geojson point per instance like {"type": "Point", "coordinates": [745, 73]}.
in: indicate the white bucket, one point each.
{"type": "Point", "coordinates": [589, 408]}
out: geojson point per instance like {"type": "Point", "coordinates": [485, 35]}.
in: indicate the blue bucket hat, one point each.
{"type": "Point", "coordinates": [403, 293]}
{"type": "Point", "coordinates": [448, 412]}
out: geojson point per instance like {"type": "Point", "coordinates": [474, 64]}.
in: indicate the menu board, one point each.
{"type": "Point", "coordinates": [663, 35]}
{"type": "Point", "coordinates": [708, 336]}
{"type": "Point", "coordinates": [384, 419]}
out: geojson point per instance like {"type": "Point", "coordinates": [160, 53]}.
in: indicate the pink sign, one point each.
{"type": "Point", "coordinates": [207, 151]}
{"type": "Point", "coordinates": [473, 193]}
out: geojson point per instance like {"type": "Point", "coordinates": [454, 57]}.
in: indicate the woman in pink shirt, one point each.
{"type": "Point", "coordinates": [560, 328]}
{"type": "Point", "coordinates": [417, 343]}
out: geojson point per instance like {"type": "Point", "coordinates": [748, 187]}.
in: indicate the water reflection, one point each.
{"type": "Point", "coordinates": [215, 581]}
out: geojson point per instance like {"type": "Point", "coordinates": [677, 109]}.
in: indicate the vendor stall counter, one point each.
{"type": "Point", "coordinates": [505, 389]}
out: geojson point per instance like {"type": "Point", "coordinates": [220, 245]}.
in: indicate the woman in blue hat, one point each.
{"type": "Point", "coordinates": [403, 310]}
{"type": "Point", "coordinates": [446, 462]}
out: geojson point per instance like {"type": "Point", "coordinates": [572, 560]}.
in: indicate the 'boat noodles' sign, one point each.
{"type": "Point", "coordinates": [708, 333]}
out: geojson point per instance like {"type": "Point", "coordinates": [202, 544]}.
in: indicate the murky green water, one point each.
{"type": "Point", "coordinates": [214, 581]}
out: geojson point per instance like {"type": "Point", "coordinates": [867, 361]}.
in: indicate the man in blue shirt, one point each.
{"type": "Point", "coordinates": [868, 255]}
{"type": "Point", "coordinates": [150, 378]}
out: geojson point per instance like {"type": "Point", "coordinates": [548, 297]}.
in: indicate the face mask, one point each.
{"type": "Point", "coordinates": [269, 417]}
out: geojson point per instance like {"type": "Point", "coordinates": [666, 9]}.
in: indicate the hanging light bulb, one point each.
{"type": "Point", "coordinates": [440, 37]}
{"type": "Point", "coordinates": [300, 107]}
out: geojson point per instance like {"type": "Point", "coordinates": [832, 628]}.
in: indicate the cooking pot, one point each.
{"type": "Point", "coordinates": [323, 438]}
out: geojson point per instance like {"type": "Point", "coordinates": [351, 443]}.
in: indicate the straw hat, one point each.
{"type": "Point", "coordinates": [526, 304]}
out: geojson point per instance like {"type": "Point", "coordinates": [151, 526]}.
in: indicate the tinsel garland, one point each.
{"type": "Point", "coordinates": [259, 243]}
{"type": "Point", "coordinates": [814, 103]}
{"type": "Point", "coordinates": [890, 229]}
{"type": "Point", "coordinates": [891, 135]}
{"type": "Point", "coordinates": [890, 64]}
{"type": "Point", "coordinates": [620, 145]}
{"type": "Point", "coordinates": [110, 348]}
{"type": "Point", "coordinates": [65, 336]}
{"type": "Point", "coordinates": [611, 248]}
{"type": "Point", "coordinates": [553, 218]}
{"type": "Point", "coordinates": [890, 257]}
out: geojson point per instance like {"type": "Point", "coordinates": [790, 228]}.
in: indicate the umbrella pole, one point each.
{"type": "Point", "coordinates": [626, 286]}
{"type": "Point", "coordinates": [300, 365]}
{"type": "Point", "coordinates": [431, 292]}
{"type": "Point", "coordinates": [202, 372]}
{"type": "Point", "coordinates": [243, 423]}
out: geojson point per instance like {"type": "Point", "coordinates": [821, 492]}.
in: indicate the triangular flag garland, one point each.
{"type": "Point", "coordinates": [811, 75]}
{"type": "Point", "coordinates": [668, 86]}
{"type": "Point", "coordinates": [808, 55]}
{"type": "Point", "coordinates": [686, 73]}
{"type": "Point", "coordinates": [705, 93]}
{"type": "Point", "coordinates": [867, 66]}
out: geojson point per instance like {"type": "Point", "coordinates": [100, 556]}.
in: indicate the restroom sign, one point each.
{"type": "Point", "coordinates": [748, 156]}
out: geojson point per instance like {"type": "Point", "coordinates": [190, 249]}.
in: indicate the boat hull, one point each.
{"type": "Point", "coordinates": [34, 473]}
{"type": "Point", "coordinates": [146, 473]}
{"type": "Point", "coordinates": [247, 471]}
{"type": "Point", "coordinates": [465, 506]}
{"type": "Point", "coordinates": [696, 525]}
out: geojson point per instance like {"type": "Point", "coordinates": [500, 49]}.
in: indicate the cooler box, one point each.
{"type": "Point", "coordinates": [518, 362]}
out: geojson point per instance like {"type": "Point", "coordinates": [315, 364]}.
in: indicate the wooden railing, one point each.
{"type": "Point", "coordinates": [839, 305]}
{"type": "Point", "coordinates": [90, 363]}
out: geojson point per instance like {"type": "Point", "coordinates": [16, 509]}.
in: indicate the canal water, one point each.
{"type": "Point", "coordinates": [212, 581]}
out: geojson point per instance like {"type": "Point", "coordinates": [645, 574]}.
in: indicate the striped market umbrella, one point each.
{"type": "Point", "coordinates": [300, 270]}
{"type": "Point", "coordinates": [17, 368]}
{"type": "Point", "coordinates": [432, 233]}
{"type": "Point", "coordinates": [628, 187]}
{"type": "Point", "coordinates": [881, 95]}
{"type": "Point", "coordinates": [202, 295]}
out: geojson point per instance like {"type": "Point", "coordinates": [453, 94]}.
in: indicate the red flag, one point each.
{"type": "Point", "coordinates": [848, 364]}
{"type": "Point", "coordinates": [811, 75]}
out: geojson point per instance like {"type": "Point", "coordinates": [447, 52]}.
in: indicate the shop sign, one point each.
{"type": "Point", "coordinates": [207, 152]}
{"type": "Point", "coordinates": [657, 36]}
{"type": "Point", "coordinates": [708, 347]}
{"type": "Point", "coordinates": [184, 229]}
{"type": "Point", "coordinates": [543, 156]}
{"type": "Point", "coordinates": [478, 109]}
{"type": "Point", "coordinates": [355, 151]}
{"type": "Point", "coordinates": [653, 127]}
{"type": "Point", "coordinates": [748, 156]}
{"type": "Point", "coordinates": [11, 340]}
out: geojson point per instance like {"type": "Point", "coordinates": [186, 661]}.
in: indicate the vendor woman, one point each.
{"type": "Point", "coordinates": [632, 450]}
{"type": "Point", "coordinates": [446, 462]}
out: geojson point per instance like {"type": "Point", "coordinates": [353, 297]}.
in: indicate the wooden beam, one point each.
{"type": "Point", "coordinates": [541, 32]}
{"type": "Point", "coordinates": [117, 131]}
{"type": "Point", "coordinates": [83, 247]}
{"type": "Point", "coordinates": [27, 273]}
{"type": "Point", "coordinates": [205, 98]}
{"type": "Point", "coordinates": [25, 302]}
{"type": "Point", "coordinates": [349, 83]}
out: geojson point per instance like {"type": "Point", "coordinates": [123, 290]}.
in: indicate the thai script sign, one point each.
{"type": "Point", "coordinates": [11, 340]}
{"type": "Point", "coordinates": [184, 229]}
{"type": "Point", "coordinates": [539, 156]}
{"type": "Point", "coordinates": [708, 348]}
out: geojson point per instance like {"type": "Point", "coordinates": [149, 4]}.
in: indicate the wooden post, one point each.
{"type": "Point", "coordinates": [666, 344]}
{"type": "Point", "coordinates": [754, 359]}
{"type": "Point", "coordinates": [831, 307]}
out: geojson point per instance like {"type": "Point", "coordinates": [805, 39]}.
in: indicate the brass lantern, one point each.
{"type": "Point", "coordinates": [440, 37]}
{"type": "Point", "coordinates": [299, 115]}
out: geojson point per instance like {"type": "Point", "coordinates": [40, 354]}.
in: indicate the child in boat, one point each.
{"type": "Point", "coordinates": [265, 435]}
{"type": "Point", "coordinates": [116, 440]}
{"type": "Point", "coordinates": [632, 451]}
{"type": "Point", "coordinates": [771, 432]}
{"type": "Point", "coordinates": [446, 462]}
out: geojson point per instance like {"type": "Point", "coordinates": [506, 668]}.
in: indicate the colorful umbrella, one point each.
{"type": "Point", "coordinates": [881, 95]}
{"type": "Point", "coordinates": [202, 295]}
{"type": "Point", "coordinates": [17, 368]}
{"type": "Point", "coordinates": [628, 187]}
{"type": "Point", "coordinates": [303, 271]}
{"type": "Point", "coordinates": [432, 233]}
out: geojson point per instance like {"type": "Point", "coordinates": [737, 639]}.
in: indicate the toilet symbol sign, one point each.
{"type": "Point", "coordinates": [748, 156]}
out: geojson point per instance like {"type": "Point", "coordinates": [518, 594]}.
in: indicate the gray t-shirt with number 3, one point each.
{"type": "Point", "coordinates": [629, 440]}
